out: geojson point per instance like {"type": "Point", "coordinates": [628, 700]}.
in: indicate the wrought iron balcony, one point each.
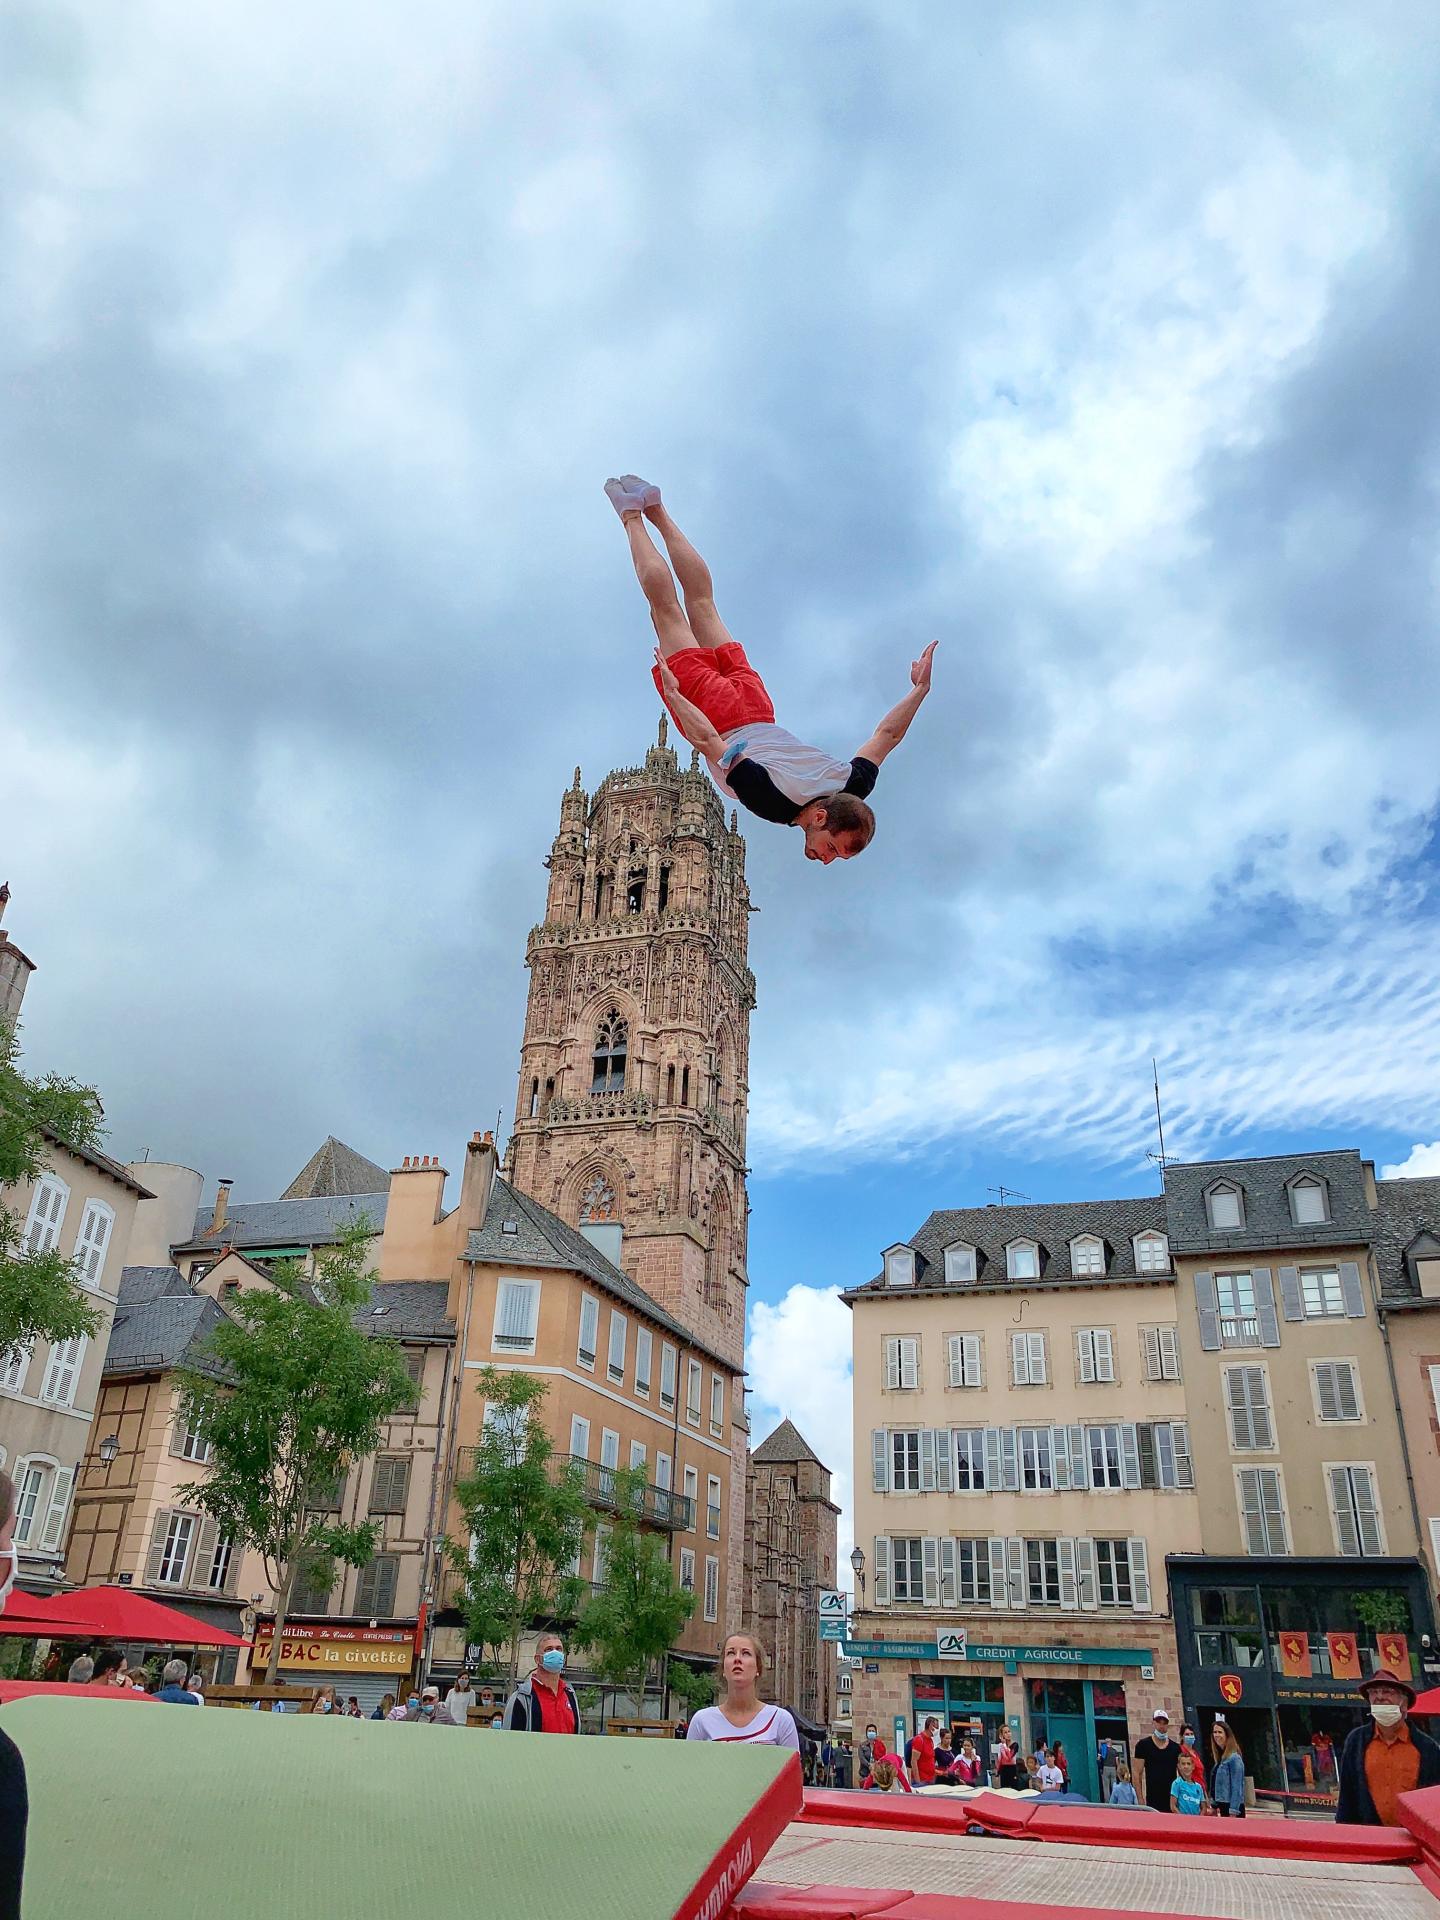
{"type": "Point", "coordinates": [659, 1506]}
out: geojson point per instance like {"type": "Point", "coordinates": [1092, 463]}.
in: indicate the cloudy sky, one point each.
{"type": "Point", "coordinates": [1096, 342]}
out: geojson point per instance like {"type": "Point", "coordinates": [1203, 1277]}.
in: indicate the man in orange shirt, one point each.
{"type": "Point", "coordinates": [1388, 1757]}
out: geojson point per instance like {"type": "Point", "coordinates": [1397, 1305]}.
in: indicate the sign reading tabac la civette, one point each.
{"type": "Point", "coordinates": [316, 1646]}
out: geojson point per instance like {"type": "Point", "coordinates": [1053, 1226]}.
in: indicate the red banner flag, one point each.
{"type": "Point", "coordinates": [1394, 1650]}
{"type": "Point", "coordinates": [1344, 1656]}
{"type": "Point", "coordinates": [1295, 1656]}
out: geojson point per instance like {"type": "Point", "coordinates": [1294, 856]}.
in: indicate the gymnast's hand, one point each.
{"type": "Point", "coordinates": [666, 672]}
{"type": "Point", "coordinates": [920, 669]}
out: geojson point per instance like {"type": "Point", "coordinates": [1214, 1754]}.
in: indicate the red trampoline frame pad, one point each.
{"type": "Point", "coordinates": [714, 1893]}
{"type": "Point", "coordinates": [762, 1902]}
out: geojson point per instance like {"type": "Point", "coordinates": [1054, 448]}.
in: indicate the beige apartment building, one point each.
{"type": "Point", "coordinates": [1407, 1260]}
{"type": "Point", "coordinates": [1023, 1468]}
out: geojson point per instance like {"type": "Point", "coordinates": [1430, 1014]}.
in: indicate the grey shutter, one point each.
{"type": "Point", "coordinates": [1347, 1392]}
{"type": "Point", "coordinates": [1150, 1351]}
{"type": "Point", "coordinates": [1291, 1303]}
{"type": "Point", "coordinates": [1060, 1458]}
{"type": "Point", "coordinates": [927, 1460]}
{"type": "Point", "coordinates": [1366, 1513]}
{"type": "Point", "coordinates": [892, 1362]}
{"type": "Point", "coordinates": [1009, 1460]}
{"type": "Point", "coordinates": [949, 1591]}
{"type": "Point", "coordinates": [1326, 1390]}
{"type": "Point", "coordinates": [1207, 1306]}
{"type": "Point", "coordinates": [944, 1460]}
{"type": "Point", "coordinates": [204, 1551]}
{"type": "Point", "coordinates": [1015, 1572]}
{"type": "Point", "coordinates": [974, 1369]}
{"type": "Point", "coordinates": [1065, 1556]}
{"type": "Point", "coordinates": [880, 1461]}
{"type": "Point", "coordinates": [1184, 1465]}
{"type": "Point", "coordinates": [999, 1585]}
{"type": "Point", "coordinates": [1152, 1453]}
{"type": "Point", "coordinates": [930, 1571]}
{"type": "Point", "coordinates": [994, 1470]}
{"type": "Point", "coordinates": [1139, 1576]}
{"type": "Point", "coordinates": [1085, 1354]}
{"type": "Point", "coordinates": [57, 1508]}
{"type": "Point", "coordinates": [1252, 1510]}
{"type": "Point", "coordinates": [1129, 1456]}
{"type": "Point", "coordinates": [882, 1570]}
{"type": "Point", "coordinates": [178, 1434]}
{"type": "Point", "coordinates": [157, 1546]}
{"type": "Point", "coordinates": [1088, 1585]}
{"type": "Point", "coordinates": [1169, 1351]}
{"type": "Point", "coordinates": [1266, 1318]}
{"type": "Point", "coordinates": [1347, 1534]}
{"type": "Point", "coordinates": [1079, 1460]}
{"type": "Point", "coordinates": [1353, 1292]}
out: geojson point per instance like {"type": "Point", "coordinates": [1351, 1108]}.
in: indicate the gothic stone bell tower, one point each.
{"type": "Point", "coordinates": [635, 1059]}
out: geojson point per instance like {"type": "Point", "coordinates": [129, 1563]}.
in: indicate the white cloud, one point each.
{"type": "Point", "coordinates": [798, 1355]}
{"type": "Point", "coordinates": [1420, 1162]}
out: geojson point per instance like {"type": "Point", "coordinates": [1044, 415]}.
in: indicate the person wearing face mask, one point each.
{"type": "Point", "coordinates": [14, 1798]}
{"type": "Point", "coordinates": [1385, 1758]}
{"type": "Point", "coordinates": [867, 1754]}
{"type": "Point", "coordinates": [1157, 1756]}
{"type": "Point", "coordinates": [544, 1702]}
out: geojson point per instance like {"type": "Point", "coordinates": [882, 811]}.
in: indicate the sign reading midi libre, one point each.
{"type": "Point", "coordinates": [316, 1647]}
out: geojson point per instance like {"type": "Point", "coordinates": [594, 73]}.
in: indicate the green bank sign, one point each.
{"type": "Point", "coordinates": [1006, 1656]}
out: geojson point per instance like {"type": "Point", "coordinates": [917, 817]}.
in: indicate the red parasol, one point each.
{"type": "Point", "coordinates": [110, 1613]}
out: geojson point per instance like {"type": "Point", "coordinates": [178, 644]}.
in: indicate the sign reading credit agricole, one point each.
{"type": "Point", "coordinates": [1010, 1656]}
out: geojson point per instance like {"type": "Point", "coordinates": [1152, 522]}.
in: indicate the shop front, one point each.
{"type": "Point", "coordinates": [1275, 1648]}
{"type": "Point", "coordinates": [350, 1655]}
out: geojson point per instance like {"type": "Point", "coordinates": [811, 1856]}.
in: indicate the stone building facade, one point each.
{"type": "Point", "coordinates": [791, 1543]}
{"type": "Point", "coordinates": [634, 1063]}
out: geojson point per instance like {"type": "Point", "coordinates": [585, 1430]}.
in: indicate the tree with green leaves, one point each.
{"type": "Point", "coordinates": [289, 1392]}
{"type": "Point", "coordinates": [694, 1687]}
{"type": "Point", "coordinates": [40, 1294]}
{"type": "Point", "coordinates": [525, 1516]}
{"type": "Point", "coordinates": [638, 1615]}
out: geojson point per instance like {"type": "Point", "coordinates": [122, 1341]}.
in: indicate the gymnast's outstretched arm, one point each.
{"type": "Point", "coordinates": [892, 729]}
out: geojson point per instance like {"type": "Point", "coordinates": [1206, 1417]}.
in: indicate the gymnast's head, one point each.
{"type": "Point", "coordinates": [837, 827]}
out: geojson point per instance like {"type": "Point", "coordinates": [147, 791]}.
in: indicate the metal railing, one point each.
{"type": "Point", "coordinates": [658, 1506]}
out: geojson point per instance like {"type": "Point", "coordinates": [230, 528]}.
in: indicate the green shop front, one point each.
{"type": "Point", "coordinates": [1277, 1647]}
{"type": "Point", "coordinates": [1073, 1694]}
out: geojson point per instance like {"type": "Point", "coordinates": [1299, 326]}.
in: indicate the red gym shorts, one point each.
{"type": "Point", "coordinates": [721, 682]}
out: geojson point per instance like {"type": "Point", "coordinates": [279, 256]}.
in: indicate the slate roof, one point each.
{"type": "Point", "coordinates": [1267, 1202]}
{"type": "Point", "coordinates": [141, 1284]}
{"type": "Point", "coordinates": [414, 1310]}
{"type": "Point", "coordinates": [335, 1169]}
{"type": "Point", "coordinates": [1052, 1225]}
{"type": "Point", "coordinates": [161, 1332]}
{"type": "Point", "coordinates": [102, 1163]}
{"type": "Point", "coordinates": [543, 1239]}
{"type": "Point", "coordinates": [784, 1447]}
{"type": "Point", "coordinates": [315, 1222]}
{"type": "Point", "coordinates": [1405, 1209]}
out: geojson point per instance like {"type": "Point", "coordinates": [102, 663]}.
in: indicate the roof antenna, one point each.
{"type": "Point", "coordinates": [1159, 1158]}
{"type": "Point", "coordinates": [1005, 1194]}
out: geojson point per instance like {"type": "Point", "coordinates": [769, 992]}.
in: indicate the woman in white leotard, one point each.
{"type": "Point", "coordinates": [742, 1714]}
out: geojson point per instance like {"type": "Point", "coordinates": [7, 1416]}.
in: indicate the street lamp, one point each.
{"type": "Point", "coordinates": [857, 1564]}
{"type": "Point", "coordinates": [109, 1447]}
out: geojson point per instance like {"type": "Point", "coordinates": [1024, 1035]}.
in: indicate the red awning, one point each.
{"type": "Point", "coordinates": [110, 1613]}
{"type": "Point", "coordinates": [1427, 1702]}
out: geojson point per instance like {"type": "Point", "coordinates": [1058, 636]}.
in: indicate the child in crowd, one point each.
{"type": "Point", "coordinates": [1122, 1794]}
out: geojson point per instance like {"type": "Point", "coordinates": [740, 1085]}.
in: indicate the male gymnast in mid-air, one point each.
{"type": "Point", "coordinates": [720, 704]}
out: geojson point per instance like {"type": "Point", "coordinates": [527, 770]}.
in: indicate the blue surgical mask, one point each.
{"type": "Point", "coordinates": [553, 1660]}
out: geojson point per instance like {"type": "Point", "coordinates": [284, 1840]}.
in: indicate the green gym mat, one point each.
{"type": "Point", "coordinates": [176, 1813]}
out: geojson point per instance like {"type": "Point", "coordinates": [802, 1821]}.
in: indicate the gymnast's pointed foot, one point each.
{"type": "Point", "coordinates": [648, 496]}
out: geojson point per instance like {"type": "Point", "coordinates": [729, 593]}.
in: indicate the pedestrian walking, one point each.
{"type": "Point", "coordinates": [1122, 1794]}
{"type": "Point", "coordinates": [1227, 1784]}
{"type": "Point", "coordinates": [544, 1701]}
{"type": "Point", "coordinates": [742, 1715]}
{"type": "Point", "coordinates": [1157, 1757]}
{"type": "Point", "coordinates": [1388, 1757]}
{"type": "Point", "coordinates": [173, 1690]}
{"type": "Point", "coordinates": [459, 1700]}
{"type": "Point", "coordinates": [1187, 1789]}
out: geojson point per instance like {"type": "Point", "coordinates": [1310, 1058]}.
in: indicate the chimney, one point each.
{"type": "Point", "coordinates": [222, 1204]}
{"type": "Point", "coordinates": [477, 1182]}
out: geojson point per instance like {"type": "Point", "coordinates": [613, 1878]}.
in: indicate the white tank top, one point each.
{"type": "Point", "coordinates": [801, 773]}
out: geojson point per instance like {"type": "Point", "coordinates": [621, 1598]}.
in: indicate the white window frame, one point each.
{"type": "Point", "coordinates": [579, 1437]}
{"type": "Point", "coordinates": [1026, 1370]}
{"type": "Point", "coordinates": [615, 1348]}
{"type": "Point", "coordinates": [33, 1477]}
{"type": "Point", "coordinates": [221, 1556]}
{"type": "Point", "coordinates": [1239, 1324]}
{"type": "Point", "coordinates": [62, 1371]}
{"type": "Point", "coordinates": [712, 1506]}
{"type": "Point", "coordinates": [962, 1264]}
{"type": "Point", "coordinates": [965, 1360]}
{"type": "Point", "coordinates": [1225, 1190]}
{"type": "Point", "coordinates": [1012, 1263]}
{"type": "Point", "coordinates": [49, 1203]}
{"type": "Point", "coordinates": [972, 1571]}
{"type": "Point", "coordinates": [907, 1563]}
{"type": "Point", "coordinates": [1269, 1549]}
{"type": "Point", "coordinates": [1307, 1183]}
{"type": "Point", "coordinates": [91, 1246]}
{"type": "Point", "coordinates": [717, 1404]}
{"type": "Point", "coordinates": [586, 1354]}
{"type": "Point", "coordinates": [712, 1586]}
{"type": "Point", "coordinates": [194, 1447]}
{"type": "Point", "coordinates": [180, 1533]}
{"type": "Point", "coordinates": [1113, 1460]}
{"type": "Point", "coordinates": [902, 1362]}
{"type": "Point", "coordinates": [1039, 1444]}
{"type": "Point", "coordinates": [17, 1365]}
{"type": "Point", "coordinates": [515, 1342]}
{"type": "Point", "coordinates": [669, 1371]}
{"type": "Point", "coordinates": [1087, 1256]}
{"type": "Point", "coordinates": [905, 1453]}
{"type": "Point", "coordinates": [638, 1453]}
{"type": "Point", "coordinates": [1113, 1569]}
{"type": "Point", "coordinates": [694, 1387]}
{"type": "Point", "coordinates": [1352, 1512]}
{"type": "Point", "coordinates": [1146, 1258]}
{"type": "Point", "coordinates": [690, 1490]}
{"type": "Point", "coordinates": [664, 1471]}
{"type": "Point", "coordinates": [1340, 1419]}
{"type": "Point", "coordinates": [1040, 1592]}
{"type": "Point", "coordinates": [1095, 1356]}
{"type": "Point", "coordinates": [687, 1569]}
{"type": "Point", "coordinates": [969, 1445]}
{"type": "Point", "coordinates": [644, 1361]}
{"type": "Point", "coordinates": [899, 1266]}
{"type": "Point", "coordinates": [1318, 1276]}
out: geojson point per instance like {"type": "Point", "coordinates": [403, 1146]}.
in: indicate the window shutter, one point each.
{"type": "Point", "coordinates": [1129, 1455]}
{"type": "Point", "coordinates": [1347, 1392]}
{"type": "Point", "coordinates": [1019, 1360]}
{"type": "Point", "coordinates": [944, 1461]}
{"type": "Point", "coordinates": [994, 1470]}
{"type": "Point", "coordinates": [1366, 1512]}
{"type": "Point", "coordinates": [1207, 1306]}
{"type": "Point", "coordinates": [882, 1570]}
{"type": "Point", "coordinates": [1152, 1467]}
{"type": "Point", "coordinates": [880, 1461]}
{"type": "Point", "coordinates": [61, 1482]}
{"type": "Point", "coordinates": [1065, 1556]}
{"type": "Point", "coordinates": [974, 1371]}
{"type": "Point", "coordinates": [949, 1590]}
{"type": "Point", "coordinates": [1265, 1315]}
{"type": "Point", "coordinates": [927, 1460]}
{"type": "Point", "coordinates": [1038, 1373]}
{"type": "Point", "coordinates": [1347, 1534]}
{"type": "Point", "coordinates": [204, 1554]}
{"type": "Point", "coordinates": [1085, 1354]}
{"type": "Point", "coordinates": [1169, 1352]}
{"type": "Point", "coordinates": [892, 1363]}
{"type": "Point", "coordinates": [1326, 1394]}
{"type": "Point", "coordinates": [232, 1568]}
{"type": "Point", "coordinates": [1291, 1303]}
{"type": "Point", "coordinates": [157, 1546]}
{"type": "Point", "coordinates": [909, 1363]}
{"type": "Point", "coordinates": [955, 1358]}
{"type": "Point", "coordinates": [1086, 1581]}
{"type": "Point", "coordinates": [1104, 1355]}
{"type": "Point", "coordinates": [930, 1571]}
{"type": "Point", "coordinates": [1060, 1457]}
{"type": "Point", "coordinates": [1015, 1571]}
{"type": "Point", "coordinates": [1252, 1518]}
{"type": "Point", "coordinates": [179, 1434]}
{"type": "Point", "coordinates": [1139, 1576]}
{"type": "Point", "coordinates": [589, 1328]}
{"type": "Point", "coordinates": [999, 1584]}
{"type": "Point", "coordinates": [1150, 1351]}
{"type": "Point", "coordinates": [1351, 1289]}
{"type": "Point", "coordinates": [1079, 1460]}
{"type": "Point", "coordinates": [1184, 1465]}
{"type": "Point", "coordinates": [1009, 1460]}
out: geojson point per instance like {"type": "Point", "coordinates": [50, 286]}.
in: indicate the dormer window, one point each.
{"type": "Point", "coordinates": [1087, 1255]}
{"type": "Point", "coordinates": [1152, 1253]}
{"type": "Point", "coordinates": [1022, 1260]}
{"type": "Point", "coordinates": [1225, 1207]}
{"type": "Point", "coordinates": [1307, 1201]}
{"type": "Point", "coordinates": [959, 1265]}
{"type": "Point", "coordinates": [900, 1267]}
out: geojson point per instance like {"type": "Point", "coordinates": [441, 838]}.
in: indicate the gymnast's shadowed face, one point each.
{"type": "Point", "coordinates": [823, 845]}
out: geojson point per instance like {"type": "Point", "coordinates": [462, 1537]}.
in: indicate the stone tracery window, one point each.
{"type": "Point", "coordinates": [598, 1201]}
{"type": "Point", "coordinates": [612, 1045]}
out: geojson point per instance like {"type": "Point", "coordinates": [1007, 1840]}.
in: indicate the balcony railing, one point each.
{"type": "Point", "coordinates": [659, 1506]}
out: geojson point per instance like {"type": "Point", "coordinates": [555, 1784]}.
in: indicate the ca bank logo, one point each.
{"type": "Point", "coordinates": [950, 1646]}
